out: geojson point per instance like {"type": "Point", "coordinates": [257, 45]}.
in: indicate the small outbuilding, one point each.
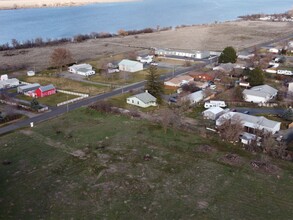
{"type": "Point", "coordinates": [130, 66]}
{"type": "Point", "coordinates": [45, 91]}
{"type": "Point", "coordinates": [143, 100]}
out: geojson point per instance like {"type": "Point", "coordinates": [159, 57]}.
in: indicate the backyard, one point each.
{"type": "Point", "coordinates": [91, 165]}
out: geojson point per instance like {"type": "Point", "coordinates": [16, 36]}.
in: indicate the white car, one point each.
{"type": "Point", "coordinates": [154, 64]}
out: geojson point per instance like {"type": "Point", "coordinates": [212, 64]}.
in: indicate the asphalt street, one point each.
{"type": "Point", "coordinates": [55, 112]}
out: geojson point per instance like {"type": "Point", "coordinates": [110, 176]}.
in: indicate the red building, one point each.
{"type": "Point", "coordinates": [45, 91]}
{"type": "Point", "coordinates": [202, 76]}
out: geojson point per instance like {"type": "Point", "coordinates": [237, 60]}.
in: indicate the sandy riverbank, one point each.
{"type": "Point", "coordinates": [214, 37]}
{"type": "Point", "coordinates": [16, 4]}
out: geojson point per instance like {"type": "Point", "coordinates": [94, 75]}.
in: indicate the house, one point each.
{"type": "Point", "coordinates": [82, 69]}
{"type": "Point", "coordinates": [260, 94]}
{"type": "Point", "coordinates": [224, 67]}
{"type": "Point", "coordinates": [201, 76]}
{"type": "Point", "coordinates": [130, 66]}
{"type": "Point", "coordinates": [43, 91]}
{"type": "Point", "coordinates": [28, 87]}
{"type": "Point", "coordinates": [9, 83]}
{"type": "Point", "coordinates": [213, 113]}
{"type": "Point", "coordinates": [245, 55]}
{"type": "Point", "coordinates": [194, 97]}
{"type": "Point", "coordinates": [178, 81]}
{"type": "Point", "coordinates": [250, 122]}
{"type": "Point", "coordinates": [143, 100]}
{"type": "Point", "coordinates": [182, 53]}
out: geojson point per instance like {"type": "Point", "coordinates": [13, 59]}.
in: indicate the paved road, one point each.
{"type": "Point", "coordinates": [85, 102]}
{"type": "Point", "coordinates": [257, 111]}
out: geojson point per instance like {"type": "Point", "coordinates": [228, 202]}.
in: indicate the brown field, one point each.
{"type": "Point", "coordinates": [239, 34]}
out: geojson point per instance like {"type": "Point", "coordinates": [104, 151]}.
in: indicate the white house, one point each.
{"type": "Point", "coordinates": [274, 50]}
{"type": "Point", "coordinates": [250, 122]}
{"type": "Point", "coordinates": [179, 81]}
{"type": "Point", "coordinates": [194, 97]}
{"type": "Point", "coordinates": [82, 69]}
{"type": "Point", "coordinates": [260, 94]}
{"type": "Point", "coordinates": [213, 113]}
{"type": "Point", "coordinates": [143, 100]}
{"type": "Point", "coordinates": [146, 59]}
{"type": "Point", "coordinates": [9, 83]}
{"type": "Point", "coordinates": [130, 66]}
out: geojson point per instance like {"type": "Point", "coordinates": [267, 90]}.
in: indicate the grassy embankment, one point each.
{"type": "Point", "coordinates": [186, 177]}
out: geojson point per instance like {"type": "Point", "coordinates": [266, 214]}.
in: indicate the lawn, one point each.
{"type": "Point", "coordinates": [124, 77]}
{"type": "Point", "coordinates": [131, 169]}
{"type": "Point", "coordinates": [51, 100]}
{"type": "Point", "coordinates": [67, 84]}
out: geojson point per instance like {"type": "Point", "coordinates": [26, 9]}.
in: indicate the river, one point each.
{"type": "Point", "coordinates": [24, 24]}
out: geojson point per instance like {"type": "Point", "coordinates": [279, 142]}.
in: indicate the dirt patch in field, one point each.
{"type": "Point", "coordinates": [265, 167]}
{"type": "Point", "coordinates": [231, 159]}
{"type": "Point", "coordinates": [206, 149]}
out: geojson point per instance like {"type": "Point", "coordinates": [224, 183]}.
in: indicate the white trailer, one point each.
{"type": "Point", "coordinates": [213, 103]}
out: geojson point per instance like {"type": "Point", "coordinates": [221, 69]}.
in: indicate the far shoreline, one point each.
{"type": "Point", "coordinates": [19, 4]}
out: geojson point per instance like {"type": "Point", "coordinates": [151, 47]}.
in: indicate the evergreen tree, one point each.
{"type": "Point", "coordinates": [154, 85]}
{"type": "Point", "coordinates": [256, 77]}
{"type": "Point", "coordinates": [35, 104]}
{"type": "Point", "coordinates": [228, 55]}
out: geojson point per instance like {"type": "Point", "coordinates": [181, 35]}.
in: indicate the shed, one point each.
{"type": "Point", "coordinates": [45, 91]}
{"type": "Point", "coordinates": [130, 66]}
{"type": "Point", "coordinates": [28, 87]}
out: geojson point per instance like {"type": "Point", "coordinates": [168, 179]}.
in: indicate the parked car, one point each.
{"type": "Point", "coordinates": [172, 99]}
{"type": "Point", "coordinates": [154, 64]}
{"type": "Point", "coordinates": [246, 112]}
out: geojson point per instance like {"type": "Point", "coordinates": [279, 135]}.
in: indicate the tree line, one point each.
{"type": "Point", "coordinates": [40, 42]}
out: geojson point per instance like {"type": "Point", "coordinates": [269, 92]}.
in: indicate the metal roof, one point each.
{"type": "Point", "coordinates": [145, 97]}
{"type": "Point", "coordinates": [256, 121]}
{"type": "Point", "coordinates": [46, 88]}
{"type": "Point", "coordinates": [261, 91]}
{"type": "Point", "coordinates": [129, 63]}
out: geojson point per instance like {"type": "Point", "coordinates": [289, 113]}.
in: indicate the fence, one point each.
{"type": "Point", "coordinates": [73, 93]}
{"type": "Point", "coordinates": [81, 96]}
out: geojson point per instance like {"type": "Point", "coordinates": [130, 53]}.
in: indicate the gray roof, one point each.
{"type": "Point", "coordinates": [214, 110]}
{"type": "Point", "coordinates": [261, 91]}
{"type": "Point", "coordinates": [145, 97]}
{"type": "Point", "coordinates": [28, 86]}
{"type": "Point", "coordinates": [47, 87]}
{"type": "Point", "coordinates": [84, 70]}
{"type": "Point", "coordinates": [257, 121]}
{"type": "Point", "coordinates": [126, 62]}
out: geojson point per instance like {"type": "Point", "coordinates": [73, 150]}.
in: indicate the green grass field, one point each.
{"type": "Point", "coordinates": [185, 177]}
{"type": "Point", "coordinates": [51, 100]}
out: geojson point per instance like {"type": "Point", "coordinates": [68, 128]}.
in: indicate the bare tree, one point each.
{"type": "Point", "coordinates": [60, 58]}
{"type": "Point", "coordinates": [166, 118]}
{"type": "Point", "coordinates": [230, 128]}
